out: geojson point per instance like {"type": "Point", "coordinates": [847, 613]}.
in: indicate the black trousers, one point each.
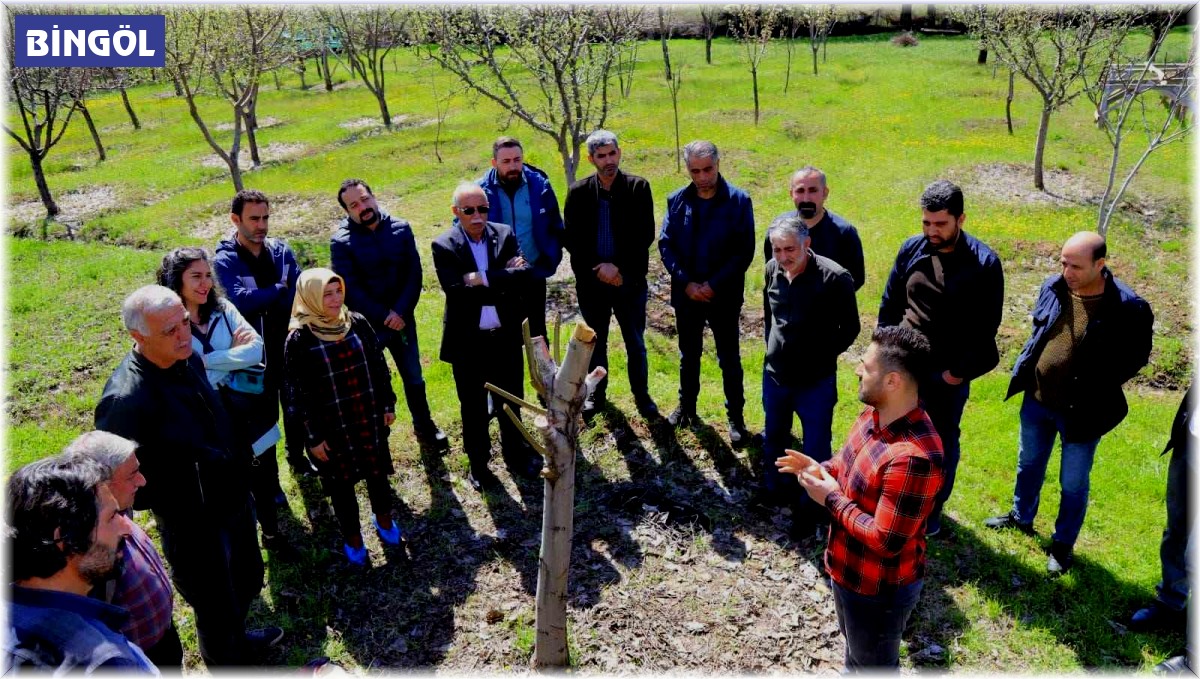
{"type": "Point", "coordinates": [217, 568]}
{"type": "Point", "coordinates": [345, 503]}
{"type": "Point", "coordinates": [264, 485]}
{"type": "Point", "coordinates": [502, 366]}
{"type": "Point", "coordinates": [722, 318]}
{"type": "Point", "coordinates": [167, 652]}
{"type": "Point", "coordinates": [533, 306]}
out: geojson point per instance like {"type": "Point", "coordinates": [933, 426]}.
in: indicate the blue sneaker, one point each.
{"type": "Point", "coordinates": [358, 557]}
{"type": "Point", "coordinates": [391, 536]}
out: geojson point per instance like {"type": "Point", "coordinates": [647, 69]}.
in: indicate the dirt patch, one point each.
{"type": "Point", "coordinates": [263, 123]}
{"type": "Point", "coordinates": [1006, 182]}
{"type": "Point", "coordinates": [271, 153]}
{"type": "Point", "coordinates": [292, 218]}
{"type": "Point", "coordinates": [349, 84]}
{"type": "Point", "coordinates": [75, 208]}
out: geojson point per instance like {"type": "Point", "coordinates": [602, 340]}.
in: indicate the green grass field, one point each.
{"type": "Point", "coordinates": [880, 120]}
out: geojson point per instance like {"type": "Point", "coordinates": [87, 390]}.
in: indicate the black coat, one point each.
{"type": "Point", "coordinates": [381, 267]}
{"type": "Point", "coordinates": [452, 259]}
{"type": "Point", "coordinates": [187, 448]}
{"type": "Point", "coordinates": [631, 216]}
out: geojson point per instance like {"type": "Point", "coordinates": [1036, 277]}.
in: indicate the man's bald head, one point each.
{"type": "Point", "coordinates": [1082, 262]}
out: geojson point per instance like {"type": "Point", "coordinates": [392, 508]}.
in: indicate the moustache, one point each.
{"type": "Point", "coordinates": [807, 209]}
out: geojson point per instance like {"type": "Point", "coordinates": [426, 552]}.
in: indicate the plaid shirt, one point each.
{"type": "Point", "coordinates": [144, 590]}
{"type": "Point", "coordinates": [887, 480]}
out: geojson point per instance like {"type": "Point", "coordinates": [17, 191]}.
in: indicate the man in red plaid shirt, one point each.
{"type": "Point", "coordinates": [879, 491]}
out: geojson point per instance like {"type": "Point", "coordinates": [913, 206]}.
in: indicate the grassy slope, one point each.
{"type": "Point", "coordinates": [880, 120]}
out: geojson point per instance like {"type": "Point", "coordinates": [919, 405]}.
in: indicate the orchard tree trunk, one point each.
{"type": "Point", "coordinates": [251, 121]}
{"type": "Point", "coordinates": [383, 109]}
{"type": "Point", "coordinates": [982, 58]}
{"type": "Point", "coordinates": [178, 87]}
{"type": "Point", "coordinates": [1039, 181]}
{"type": "Point", "coordinates": [906, 17]}
{"type": "Point", "coordinates": [39, 178]}
{"type": "Point", "coordinates": [754, 78]}
{"type": "Point", "coordinates": [565, 388]}
{"type": "Point", "coordinates": [87, 117]}
{"type": "Point", "coordinates": [1012, 77]}
{"type": "Point", "coordinates": [137, 124]}
{"type": "Point", "coordinates": [324, 61]}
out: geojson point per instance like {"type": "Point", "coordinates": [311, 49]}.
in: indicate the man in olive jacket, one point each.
{"type": "Point", "coordinates": [609, 220]}
{"type": "Point", "coordinates": [197, 474]}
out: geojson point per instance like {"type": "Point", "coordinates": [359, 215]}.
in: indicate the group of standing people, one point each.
{"type": "Point", "coordinates": [220, 342]}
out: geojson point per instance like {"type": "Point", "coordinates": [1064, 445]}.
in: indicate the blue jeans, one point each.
{"type": "Point", "coordinates": [872, 625]}
{"type": "Point", "coordinates": [944, 404]}
{"type": "Point", "coordinates": [407, 354]}
{"type": "Point", "coordinates": [813, 403]}
{"type": "Point", "coordinates": [1039, 425]}
{"type": "Point", "coordinates": [1173, 589]}
{"type": "Point", "coordinates": [598, 303]}
{"type": "Point", "coordinates": [722, 319]}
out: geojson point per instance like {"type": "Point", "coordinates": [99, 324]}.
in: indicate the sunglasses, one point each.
{"type": "Point", "coordinates": [468, 211]}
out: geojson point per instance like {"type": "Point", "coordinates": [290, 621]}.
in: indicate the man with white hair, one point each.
{"type": "Point", "coordinates": [197, 473]}
{"type": "Point", "coordinates": [140, 585]}
{"type": "Point", "coordinates": [482, 271]}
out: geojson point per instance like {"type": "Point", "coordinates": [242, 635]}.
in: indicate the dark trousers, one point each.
{"type": "Point", "coordinates": [872, 626]}
{"type": "Point", "coordinates": [598, 303]}
{"type": "Point", "coordinates": [293, 433]}
{"type": "Point", "coordinates": [944, 404]}
{"type": "Point", "coordinates": [264, 485]}
{"type": "Point", "coordinates": [407, 355]}
{"type": "Point", "coordinates": [502, 366]}
{"type": "Point", "coordinates": [1173, 589]}
{"type": "Point", "coordinates": [533, 306]}
{"type": "Point", "coordinates": [167, 652]}
{"type": "Point", "coordinates": [813, 404]}
{"type": "Point", "coordinates": [345, 503]}
{"type": "Point", "coordinates": [690, 318]}
{"type": "Point", "coordinates": [218, 570]}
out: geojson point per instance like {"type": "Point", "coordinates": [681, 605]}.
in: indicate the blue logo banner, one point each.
{"type": "Point", "coordinates": [90, 40]}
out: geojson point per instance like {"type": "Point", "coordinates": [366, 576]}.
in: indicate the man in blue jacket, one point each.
{"type": "Point", "coordinates": [1091, 334]}
{"type": "Point", "coordinates": [949, 286]}
{"type": "Point", "coordinates": [259, 276]}
{"type": "Point", "coordinates": [520, 195]}
{"type": "Point", "coordinates": [707, 244]}
{"type": "Point", "coordinates": [376, 254]}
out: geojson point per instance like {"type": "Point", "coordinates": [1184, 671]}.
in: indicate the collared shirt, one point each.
{"type": "Point", "coordinates": [488, 318]}
{"type": "Point", "coordinates": [605, 248]}
{"type": "Point", "coordinates": [143, 589]}
{"type": "Point", "coordinates": [887, 480]}
{"type": "Point", "coordinates": [64, 632]}
{"type": "Point", "coordinates": [518, 213]}
{"type": "Point", "coordinates": [808, 320]}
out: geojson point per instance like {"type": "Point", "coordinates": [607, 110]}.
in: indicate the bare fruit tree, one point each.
{"type": "Point", "coordinates": [618, 21]}
{"type": "Point", "coordinates": [708, 17]}
{"type": "Point", "coordinates": [1054, 48]}
{"type": "Point", "coordinates": [753, 26]}
{"type": "Point", "coordinates": [1133, 94]}
{"type": "Point", "coordinates": [564, 387]}
{"type": "Point", "coordinates": [549, 66]}
{"type": "Point", "coordinates": [44, 104]}
{"type": "Point", "coordinates": [368, 34]}
{"type": "Point", "coordinates": [819, 21]}
{"type": "Point", "coordinates": [674, 75]}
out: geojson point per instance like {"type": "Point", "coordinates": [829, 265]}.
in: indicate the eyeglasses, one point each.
{"type": "Point", "coordinates": [468, 211]}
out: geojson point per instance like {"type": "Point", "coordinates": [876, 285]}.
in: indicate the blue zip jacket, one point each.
{"type": "Point", "coordinates": [381, 267]}
{"type": "Point", "coordinates": [965, 343]}
{"type": "Point", "coordinates": [1115, 346]}
{"type": "Point", "coordinates": [547, 220]}
{"type": "Point", "coordinates": [719, 252]}
{"type": "Point", "coordinates": [254, 303]}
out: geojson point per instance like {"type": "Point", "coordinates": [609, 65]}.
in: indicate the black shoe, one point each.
{"type": "Point", "coordinates": [526, 466]}
{"type": "Point", "coordinates": [279, 547]}
{"type": "Point", "coordinates": [1061, 558]}
{"type": "Point", "coordinates": [1157, 617]}
{"type": "Point", "coordinates": [647, 408]}
{"type": "Point", "coordinates": [280, 499]}
{"type": "Point", "coordinates": [262, 639]}
{"type": "Point", "coordinates": [1009, 520]}
{"type": "Point", "coordinates": [432, 434]}
{"type": "Point", "coordinates": [738, 436]}
{"type": "Point", "coordinates": [932, 530]}
{"type": "Point", "coordinates": [483, 480]}
{"type": "Point", "coordinates": [1172, 666]}
{"type": "Point", "coordinates": [301, 466]}
{"type": "Point", "coordinates": [681, 418]}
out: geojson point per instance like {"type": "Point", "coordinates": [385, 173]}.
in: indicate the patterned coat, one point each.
{"type": "Point", "coordinates": [339, 391]}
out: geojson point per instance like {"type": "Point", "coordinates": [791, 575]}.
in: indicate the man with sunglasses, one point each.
{"type": "Point", "coordinates": [376, 254]}
{"type": "Point", "coordinates": [481, 270]}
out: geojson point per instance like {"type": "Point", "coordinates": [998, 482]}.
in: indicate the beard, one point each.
{"type": "Point", "coordinates": [367, 216]}
{"type": "Point", "coordinates": [99, 563]}
{"type": "Point", "coordinates": [806, 209]}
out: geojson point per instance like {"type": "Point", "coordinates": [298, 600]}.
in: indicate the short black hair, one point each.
{"type": "Point", "coordinates": [506, 143]}
{"type": "Point", "coordinates": [902, 349]}
{"type": "Point", "coordinates": [349, 184]}
{"type": "Point", "coordinates": [247, 196]}
{"type": "Point", "coordinates": [54, 493]}
{"type": "Point", "coordinates": [943, 195]}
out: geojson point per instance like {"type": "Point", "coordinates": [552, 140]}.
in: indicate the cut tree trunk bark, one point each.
{"type": "Point", "coordinates": [565, 388]}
